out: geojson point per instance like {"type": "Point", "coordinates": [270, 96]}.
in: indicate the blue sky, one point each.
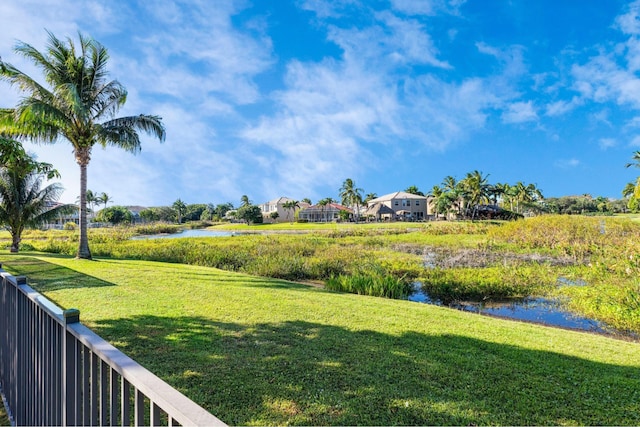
{"type": "Point", "coordinates": [291, 97]}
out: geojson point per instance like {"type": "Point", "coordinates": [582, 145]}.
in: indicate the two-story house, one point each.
{"type": "Point", "coordinates": [400, 206]}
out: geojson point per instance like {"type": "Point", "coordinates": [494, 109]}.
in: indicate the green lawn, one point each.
{"type": "Point", "coordinates": [257, 351]}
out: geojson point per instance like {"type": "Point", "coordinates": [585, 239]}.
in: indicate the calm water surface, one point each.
{"type": "Point", "coordinates": [537, 310]}
{"type": "Point", "coordinates": [187, 233]}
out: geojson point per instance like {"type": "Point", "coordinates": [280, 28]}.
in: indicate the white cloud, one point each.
{"type": "Point", "coordinates": [629, 23]}
{"type": "Point", "coordinates": [635, 141]}
{"type": "Point", "coordinates": [427, 7]}
{"type": "Point", "coordinates": [520, 112]}
{"type": "Point", "coordinates": [606, 143]}
{"type": "Point", "coordinates": [567, 163]}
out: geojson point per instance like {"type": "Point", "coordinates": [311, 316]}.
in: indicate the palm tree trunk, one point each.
{"type": "Point", "coordinates": [15, 242]}
{"type": "Point", "coordinates": [83, 247]}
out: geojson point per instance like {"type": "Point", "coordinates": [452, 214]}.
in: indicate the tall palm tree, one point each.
{"type": "Point", "coordinates": [351, 195]}
{"type": "Point", "coordinates": [244, 200]}
{"type": "Point", "coordinates": [80, 106]}
{"type": "Point", "coordinates": [23, 201]}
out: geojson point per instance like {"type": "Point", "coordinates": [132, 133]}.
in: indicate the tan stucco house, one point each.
{"type": "Point", "coordinates": [400, 206]}
{"type": "Point", "coordinates": [277, 205]}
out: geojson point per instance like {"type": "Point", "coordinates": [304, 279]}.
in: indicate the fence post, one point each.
{"type": "Point", "coordinates": [69, 366]}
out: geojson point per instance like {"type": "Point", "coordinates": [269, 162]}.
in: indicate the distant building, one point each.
{"type": "Point", "coordinates": [277, 205]}
{"type": "Point", "coordinates": [400, 206]}
{"type": "Point", "coordinates": [323, 213]}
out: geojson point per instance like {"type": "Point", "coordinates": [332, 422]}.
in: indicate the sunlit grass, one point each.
{"type": "Point", "coordinates": [258, 351]}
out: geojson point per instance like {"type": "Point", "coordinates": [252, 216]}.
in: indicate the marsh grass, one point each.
{"type": "Point", "coordinates": [258, 351]}
{"type": "Point", "coordinates": [473, 260]}
{"type": "Point", "coordinates": [372, 284]}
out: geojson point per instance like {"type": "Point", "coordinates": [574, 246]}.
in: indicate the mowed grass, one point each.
{"type": "Point", "coordinates": [258, 351]}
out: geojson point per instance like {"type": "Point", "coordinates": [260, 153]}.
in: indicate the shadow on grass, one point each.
{"type": "Point", "coordinates": [313, 374]}
{"type": "Point", "coordinates": [44, 276]}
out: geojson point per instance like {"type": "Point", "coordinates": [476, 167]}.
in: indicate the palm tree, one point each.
{"type": "Point", "coordinates": [414, 190]}
{"type": "Point", "coordinates": [323, 204]}
{"type": "Point", "coordinates": [636, 160]}
{"type": "Point", "coordinates": [475, 189]}
{"type": "Point", "coordinates": [180, 209]}
{"type": "Point", "coordinates": [244, 200]}
{"type": "Point", "coordinates": [291, 205]}
{"type": "Point", "coordinates": [80, 106]}
{"type": "Point", "coordinates": [104, 198]}
{"type": "Point", "coordinates": [369, 197]}
{"type": "Point", "coordinates": [23, 201]}
{"type": "Point", "coordinates": [306, 200]}
{"type": "Point", "coordinates": [351, 195]}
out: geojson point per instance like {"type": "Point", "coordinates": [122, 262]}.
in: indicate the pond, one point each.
{"type": "Point", "coordinates": [186, 233]}
{"type": "Point", "coordinates": [536, 310]}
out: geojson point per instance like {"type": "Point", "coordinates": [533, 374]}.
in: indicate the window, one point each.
{"type": "Point", "coordinates": [417, 202]}
{"type": "Point", "coordinates": [396, 203]}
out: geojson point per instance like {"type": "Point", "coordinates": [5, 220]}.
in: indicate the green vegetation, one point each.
{"type": "Point", "coordinates": [258, 351]}
{"type": "Point", "coordinates": [452, 260]}
{"type": "Point", "coordinates": [78, 104]}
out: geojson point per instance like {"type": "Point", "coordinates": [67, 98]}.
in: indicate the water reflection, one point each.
{"type": "Point", "coordinates": [537, 310]}
{"type": "Point", "coordinates": [186, 233]}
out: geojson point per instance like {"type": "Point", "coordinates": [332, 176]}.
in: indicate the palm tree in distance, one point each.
{"type": "Point", "coordinates": [414, 190]}
{"type": "Point", "coordinates": [244, 200]}
{"type": "Point", "coordinates": [80, 106]}
{"type": "Point", "coordinates": [104, 198]}
{"type": "Point", "coordinates": [23, 200]}
{"type": "Point", "coordinates": [351, 195]}
{"type": "Point", "coordinates": [180, 209]}
{"type": "Point", "coordinates": [291, 205]}
{"type": "Point", "coordinates": [636, 160]}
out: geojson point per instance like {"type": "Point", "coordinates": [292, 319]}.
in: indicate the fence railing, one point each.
{"type": "Point", "coordinates": [56, 371]}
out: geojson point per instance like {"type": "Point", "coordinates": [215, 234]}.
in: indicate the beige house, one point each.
{"type": "Point", "coordinates": [401, 206]}
{"type": "Point", "coordinates": [277, 205]}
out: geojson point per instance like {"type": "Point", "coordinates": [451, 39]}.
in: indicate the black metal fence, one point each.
{"type": "Point", "coordinates": [55, 371]}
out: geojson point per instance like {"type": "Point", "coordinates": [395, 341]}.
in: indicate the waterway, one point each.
{"type": "Point", "coordinates": [187, 233]}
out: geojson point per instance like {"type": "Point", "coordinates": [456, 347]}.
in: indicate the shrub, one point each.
{"type": "Point", "coordinates": [69, 226]}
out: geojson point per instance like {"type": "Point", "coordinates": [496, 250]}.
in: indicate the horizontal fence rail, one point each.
{"type": "Point", "coordinates": [56, 371]}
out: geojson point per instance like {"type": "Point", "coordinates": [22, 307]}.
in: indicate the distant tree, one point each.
{"type": "Point", "coordinates": [23, 201]}
{"type": "Point", "coordinates": [149, 215]}
{"type": "Point", "coordinates": [115, 215]}
{"type": "Point", "coordinates": [180, 208]}
{"type": "Point", "coordinates": [414, 190]}
{"type": "Point", "coordinates": [194, 212]}
{"type": "Point", "coordinates": [369, 197]}
{"type": "Point", "coordinates": [104, 198]}
{"type": "Point", "coordinates": [323, 204]}
{"type": "Point", "coordinates": [244, 200]}
{"type": "Point", "coordinates": [274, 215]}
{"type": "Point", "coordinates": [351, 196]}
{"type": "Point", "coordinates": [475, 191]}
{"type": "Point", "coordinates": [222, 209]}
{"type": "Point", "coordinates": [291, 205]}
{"type": "Point", "coordinates": [306, 200]}
{"type": "Point", "coordinates": [252, 214]}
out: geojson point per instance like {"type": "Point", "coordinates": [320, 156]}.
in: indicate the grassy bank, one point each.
{"type": "Point", "coordinates": [453, 260]}
{"type": "Point", "coordinates": [257, 351]}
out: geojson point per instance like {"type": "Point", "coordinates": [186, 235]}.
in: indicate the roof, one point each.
{"type": "Point", "coordinates": [379, 209]}
{"type": "Point", "coordinates": [336, 206]}
{"type": "Point", "coordinates": [397, 195]}
{"type": "Point", "coordinates": [278, 201]}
